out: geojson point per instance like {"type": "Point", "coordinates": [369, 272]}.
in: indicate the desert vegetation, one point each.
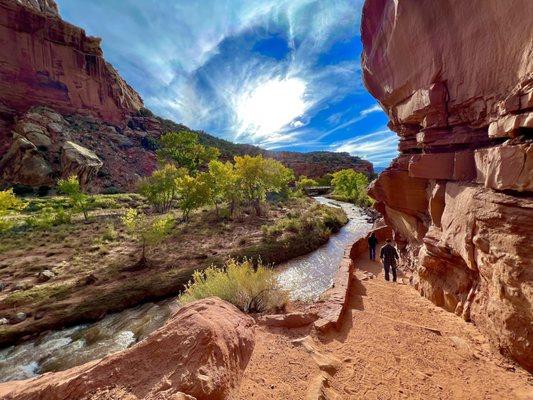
{"type": "Point", "coordinates": [350, 186]}
{"type": "Point", "coordinates": [74, 256]}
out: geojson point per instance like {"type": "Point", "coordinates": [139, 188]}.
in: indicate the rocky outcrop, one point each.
{"type": "Point", "coordinates": [201, 352]}
{"type": "Point", "coordinates": [46, 61]}
{"type": "Point", "coordinates": [456, 79]}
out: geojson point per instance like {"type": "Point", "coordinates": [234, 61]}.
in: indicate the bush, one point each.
{"type": "Point", "coordinates": [160, 189]}
{"type": "Point", "coordinates": [147, 232]}
{"type": "Point", "coordinates": [72, 188]}
{"type": "Point", "coordinates": [9, 204]}
{"type": "Point", "coordinates": [249, 289]}
{"type": "Point", "coordinates": [48, 217]}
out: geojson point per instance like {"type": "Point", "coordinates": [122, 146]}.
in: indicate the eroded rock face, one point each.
{"type": "Point", "coordinates": [46, 61]}
{"type": "Point", "coordinates": [201, 353]}
{"type": "Point", "coordinates": [456, 79]}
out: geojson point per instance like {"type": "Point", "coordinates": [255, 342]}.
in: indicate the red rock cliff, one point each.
{"type": "Point", "coordinates": [46, 61]}
{"type": "Point", "coordinates": [456, 79]}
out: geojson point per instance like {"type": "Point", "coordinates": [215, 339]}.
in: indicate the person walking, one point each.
{"type": "Point", "coordinates": [389, 257]}
{"type": "Point", "coordinates": [372, 243]}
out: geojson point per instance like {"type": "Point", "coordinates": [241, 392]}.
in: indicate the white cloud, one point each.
{"type": "Point", "coordinates": [377, 147]}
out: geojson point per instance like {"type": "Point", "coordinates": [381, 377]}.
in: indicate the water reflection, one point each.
{"type": "Point", "coordinates": [308, 276]}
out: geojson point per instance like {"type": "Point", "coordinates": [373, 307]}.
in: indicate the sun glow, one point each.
{"type": "Point", "coordinates": [264, 110]}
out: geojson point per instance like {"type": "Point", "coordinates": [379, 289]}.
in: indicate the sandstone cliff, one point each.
{"type": "Point", "coordinates": [456, 79]}
{"type": "Point", "coordinates": [46, 61]}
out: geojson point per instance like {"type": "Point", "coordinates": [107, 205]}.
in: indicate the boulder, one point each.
{"type": "Point", "coordinates": [45, 275]}
{"type": "Point", "coordinates": [79, 161]}
{"type": "Point", "coordinates": [201, 352]}
{"type": "Point", "coordinates": [24, 164]}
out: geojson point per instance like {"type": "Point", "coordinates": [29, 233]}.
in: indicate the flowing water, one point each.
{"type": "Point", "coordinates": [308, 276]}
{"type": "Point", "coordinates": [305, 277]}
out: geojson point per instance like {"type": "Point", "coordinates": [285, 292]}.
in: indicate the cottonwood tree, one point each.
{"type": "Point", "coordinates": [224, 185]}
{"type": "Point", "coordinates": [184, 149]}
{"type": "Point", "coordinates": [257, 176]}
{"type": "Point", "coordinates": [351, 185]}
{"type": "Point", "coordinates": [160, 188]}
{"type": "Point", "coordinates": [72, 189]}
{"type": "Point", "coordinates": [148, 232]}
{"type": "Point", "coordinates": [192, 193]}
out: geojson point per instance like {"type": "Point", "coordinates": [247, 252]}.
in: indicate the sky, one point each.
{"type": "Point", "coordinates": [280, 74]}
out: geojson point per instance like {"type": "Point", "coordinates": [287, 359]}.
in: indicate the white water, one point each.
{"type": "Point", "coordinates": [306, 277]}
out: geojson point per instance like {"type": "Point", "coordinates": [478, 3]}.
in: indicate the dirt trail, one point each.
{"type": "Point", "coordinates": [393, 344]}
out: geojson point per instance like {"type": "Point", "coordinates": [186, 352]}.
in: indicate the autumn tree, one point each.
{"type": "Point", "coordinates": [192, 193]}
{"type": "Point", "coordinates": [224, 184]}
{"type": "Point", "coordinates": [303, 183]}
{"type": "Point", "coordinates": [148, 232]}
{"type": "Point", "coordinates": [184, 149]}
{"type": "Point", "coordinates": [257, 175]}
{"type": "Point", "coordinates": [160, 188]}
{"type": "Point", "coordinates": [351, 186]}
{"type": "Point", "coordinates": [72, 189]}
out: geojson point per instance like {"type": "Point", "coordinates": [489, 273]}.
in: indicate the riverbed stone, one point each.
{"type": "Point", "coordinates": [45, 276]}
{"type": "Point", "coordinates": [18, 318]}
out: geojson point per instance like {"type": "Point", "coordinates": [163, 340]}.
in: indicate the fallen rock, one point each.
{"type": "Point", "coordinates": [201, 351]}
{"type": "Point", "coordinates": [4, 321]}
{"type": "Point", "coordinates": [18, 318]}
{"type": "Point", "coordinates": [45, 276]}
{"type": "Point", "coordinates": [291, 320]}
{"type": "Point", "coordinates": [79, 161]}
{"type": "Point", "coordinates": [325, 362]}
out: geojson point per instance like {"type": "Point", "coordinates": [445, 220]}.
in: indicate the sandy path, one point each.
{"type": "Point", "coordinates": [393, 344]}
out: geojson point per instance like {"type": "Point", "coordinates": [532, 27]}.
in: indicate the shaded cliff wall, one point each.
{"type": "Point", "coordinates": [46, 61]}
{"type": "Point", "coordinates": [456, 79]}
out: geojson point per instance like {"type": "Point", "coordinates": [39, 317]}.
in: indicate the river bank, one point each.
{"type": "Point", "coordinates": [70, 347]}
{"type": "Point", "coordinates": [78, 272]}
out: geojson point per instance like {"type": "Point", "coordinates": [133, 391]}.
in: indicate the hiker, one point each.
{"type": "Point", "coordinates": [389, 256]}
{"type": "Point", "coordinates": [372, 243]}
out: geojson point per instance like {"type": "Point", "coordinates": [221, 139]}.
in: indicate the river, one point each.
{"type": "Point", "coordinates": [306, 277]}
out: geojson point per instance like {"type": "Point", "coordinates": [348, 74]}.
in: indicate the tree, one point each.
{"type": "Point", "coordinates": [9, 204]}
{"type": "Point", "coordinates": [147, 232]}
{"type": "Point", "coordinates": [223, 184]}
{"type": "Point", "coordinates": [71, 188]}
{"type": "Point", "coordinates": [192, 193]}
{"type": "Point", "coordinates": [351, 185]}
{"type": "Point", "coordinates": [184, 149]}
{"type": "Point", "coordinates": [304, 182]}
{"type": "Point", "coordinates": [160, 188]}
{"type": "Point", "coordinates": [258, 175]}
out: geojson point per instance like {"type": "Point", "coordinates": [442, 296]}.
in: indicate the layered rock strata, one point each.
{"type": "Point", "coordinates": [456, 79]}
{"type": "Point", "coordinates": [46, 61]}
{"type": "Point", "coordinates": [200, 353]}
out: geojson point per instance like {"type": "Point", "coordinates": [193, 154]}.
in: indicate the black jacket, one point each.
{"type": "Point", "coordinates": [388, 254]}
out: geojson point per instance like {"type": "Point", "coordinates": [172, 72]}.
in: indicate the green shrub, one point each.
{"type": "Point", "coordinates": [9, 205]}
{"type": "Point", "coordinates": [249, 289]}
{"type": "Point", "coordinates": [72, 188]}
{"type": "Point", "coordinates": [110, 234]}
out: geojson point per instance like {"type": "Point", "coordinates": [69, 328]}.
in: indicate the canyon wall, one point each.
{"type": "Point", "coordinates": [456, 80]}
{"type": "Point", "coordinates": [46, 61]}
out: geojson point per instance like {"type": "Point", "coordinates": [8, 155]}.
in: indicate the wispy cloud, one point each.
{"type": "Point", "coordinates": [199, 64]}
{"type": "Point", "coordinates": [377, 147]}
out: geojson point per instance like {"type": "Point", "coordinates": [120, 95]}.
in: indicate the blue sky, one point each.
{"type": "Point", "coordinates": [281, 74]}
